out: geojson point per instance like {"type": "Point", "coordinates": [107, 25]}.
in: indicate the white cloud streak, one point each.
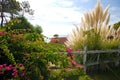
{"type": "Point", "coordinates": [55, 16]}
{"type": "Point", "coordinates": [84, 0]}
{"type": "Point", "coordinates": [115, 16]}
{"type": "Point", "coordinates": [58, 16]}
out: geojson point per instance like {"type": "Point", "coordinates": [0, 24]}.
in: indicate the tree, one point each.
{"type": "Point", "coordinates": [116, 25]}
{"type": "Point", "coordinates": [14, 8]}
{"type": "Point", "coordinates": [9, 6]}
{"type": "Point", "coordinates": [56, 35]}
{"type": "Point", "coordinates": [26, 8]}
{"type": "Point", "coordinates": [38, 29]}
{"type": "Point", "coordinates": [19, 23]}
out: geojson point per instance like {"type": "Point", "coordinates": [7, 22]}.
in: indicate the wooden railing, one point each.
{"type": "Point", "coordinates": [85, 53]}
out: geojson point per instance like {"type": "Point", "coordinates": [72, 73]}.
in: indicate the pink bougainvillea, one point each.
{"type": "Point", "coordinates": [26, 54]}
{"type": "Point", "coordinates": [15, 70]}
{"type": "Point", "coordinates": [1, 72]}
{"type": "Point", "coordinates": [13, 35]}
{"type": "Point", "coordinates": [1, 33]}
{"type": "Point", "coordinates": [69, 50]}
{"type": "Point", "coordinates": [73, 62]}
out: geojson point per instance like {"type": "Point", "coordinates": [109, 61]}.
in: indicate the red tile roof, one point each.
{"type": "Point", "coordinates": [60, 40]}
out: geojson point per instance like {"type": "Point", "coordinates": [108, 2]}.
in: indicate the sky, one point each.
{"type": "Point", "coordinates": [59, 16]}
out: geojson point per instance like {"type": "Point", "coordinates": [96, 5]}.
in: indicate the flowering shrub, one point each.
{"type": "Point", "coordinates": [25, 56]}
{"type": "Point", "coordinates": [11, 71]}
{"type": "Point", "coordinates": [30, 50]}
{"type": "Point", "coordinates": [72, 72]}
{"type": "Point", "coordinates": [71, 59]}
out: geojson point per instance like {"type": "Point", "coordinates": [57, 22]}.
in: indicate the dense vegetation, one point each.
{"type": "Point", "coordinates": [24, 55]}
{"type": "Point", "coordinates": [94, 31]}
{"type": "Point", "coordinates": [95, 34]}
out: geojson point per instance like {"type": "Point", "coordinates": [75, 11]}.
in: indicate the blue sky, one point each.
{"type": "Point", "coordinates": [58, 16]}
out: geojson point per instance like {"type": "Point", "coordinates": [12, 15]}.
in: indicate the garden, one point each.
{"type": "Point", "coordinates": [25, 55]}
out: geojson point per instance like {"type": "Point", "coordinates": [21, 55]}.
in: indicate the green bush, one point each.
{"type": "Point", "coordinates": [68, 74]}
{"type": "Point", "coordinates": [20, 24]}
{"type": "Point", "coordinates": [24, 55]}
{"type": "Point", "coordinates": [30, 50]}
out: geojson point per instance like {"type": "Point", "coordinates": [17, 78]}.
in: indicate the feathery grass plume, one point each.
{"type": "Point", "coordinates": [107, 20]}
{"type": "Point", "coordinates": [93, 31]}
{"type": "Point", "coordinates": [105, 13]}
{"type": "Point", "coordinates": [118, 33]}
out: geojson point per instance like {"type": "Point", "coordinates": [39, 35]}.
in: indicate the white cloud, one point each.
{"type": "Point", "coordinates": [58, 16]}
{"type": "Point", "coordinates": [64, 3]}
{"type": "Point", "coordinates": [55, 16]}
{"type": "Point", "coordinates": [115, 16]}
{"type": "Point", "coordinates": [84, 0]}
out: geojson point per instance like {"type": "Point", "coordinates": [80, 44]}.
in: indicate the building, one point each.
{"type": "Point", "coordinates": [60, 40]}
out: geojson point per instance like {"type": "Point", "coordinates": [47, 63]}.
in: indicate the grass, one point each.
{"type": "Point", "coordinates": [112, 74]}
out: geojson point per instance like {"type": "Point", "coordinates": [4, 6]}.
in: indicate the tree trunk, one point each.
{"type": "Point", "coordinates": [2, 14]}
{"type": "Point", "coordinates": [2, 19]}
{"type": "Point", "coordinates": [12, 16]}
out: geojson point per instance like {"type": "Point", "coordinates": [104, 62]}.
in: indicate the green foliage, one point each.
{"type": "Point", "coordinates": [19, 23]}
{"type": "Point", "coordinates": [108, 75]}
{"type": "Point", "coordinates": [56, 35]}
{"type": "Point", "coordinates": [68, 74]}
{"type": "Point", "coordinates": [113, 44]}
{"type": "Point", "coordinates": [94, 32]}
{"type": "Point", "coordinates": [9, 6]}
{"type": "Point", "coordinates": [30, 50]}
{"type": "Point", "coordinates": [92, 40]}
{"type": "Point", "coordinates": [38, 29]}
{"type": "Point", "coordinates": [116, 25]}
{"type": "Point", "coordinates": [23, 44]}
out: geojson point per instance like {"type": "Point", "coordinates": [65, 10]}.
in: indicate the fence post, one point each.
{"type": "Point", "coordinates": [118, 61]}
{"type": "Point", "coordinates": [85, 58]}
{"type": "Point", "coordinates": [119, 54]}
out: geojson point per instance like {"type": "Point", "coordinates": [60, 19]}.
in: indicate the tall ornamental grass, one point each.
{"type": "Point", "coordinates": [94, 31]}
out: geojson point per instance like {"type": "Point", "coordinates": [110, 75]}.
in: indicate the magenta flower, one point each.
{"type": "Point", "coordinates": [5, 33]}
{"type": "Point", "coordinates": [26, 54]}
{"type": "Point", "coordinates": [22, 74]}
{"type": "Point", "coordinates": [69, 50]}
{"type": "Point", "coordinates": [71, 56]}
{"type": "Point", "coordinates": [1, 66]}
{"type": "Point", "coordinates": [73, 63]}
{"type": "Point", "coordinates": [14, 74]}
{"type": "Point", "coordinates": [4, 65]}
{"type": "Point", "coordinates": [1, 72]}
{"type": "Point", "coordinates": [79, 66]}
{"type": "Point", "coordinates": [8, 68]}
{"type": "Point", "coordinates": [1, 33]}
{"type": "Point", "coordinates": [78, 50]}
{"type": "Point", "coordinates": [13, 35]}
{"type": "Point", "coordinates": [15, 70]}
{"type": "Point", "coordinates": [20, 65]}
